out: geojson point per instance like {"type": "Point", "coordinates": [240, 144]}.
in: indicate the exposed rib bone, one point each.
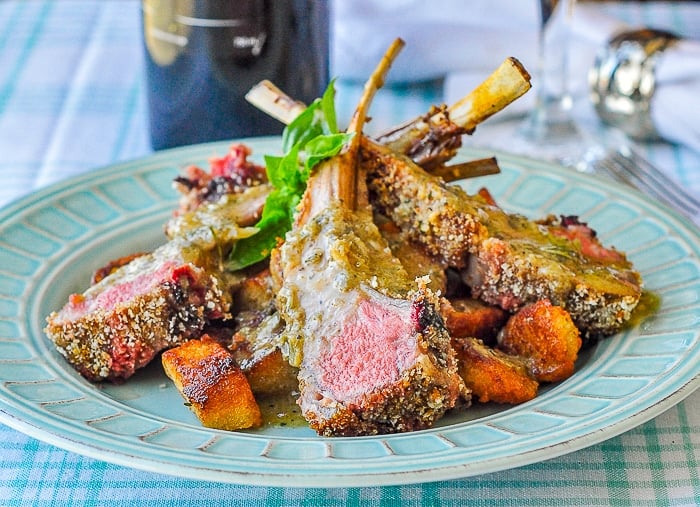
{"type": "Point", "coordinates": [509, 82]}
{"type": "Point", "coordinates": [269, 98]}
{"type": "Point", "coordinates": [433, 139]}
{"type": "Point", "coordinates": [336, 178]}
{"type": "Point", "coordinates": [469, 169]}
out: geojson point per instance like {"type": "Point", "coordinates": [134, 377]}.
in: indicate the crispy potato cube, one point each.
{"type": "Point", "coordinates": [254, 293]}
{"type": "Point", "coordinates": [271, 373]}
{"type": "Point", "coordinates": [213, 385]}
{"type": "Point", "coordinates": [493, 375]}
{"type": "Point", "coordinates": [471, 318]}
{"type": "Point", "coordinates": [255, 344]}
{"type": "Point", "coordinates": [546, 336]}
{"type": "Point", "coordinates": [256, 349]}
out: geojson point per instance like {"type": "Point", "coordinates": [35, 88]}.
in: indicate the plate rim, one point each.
{"type": "Point", "coordinates": [158, 462]}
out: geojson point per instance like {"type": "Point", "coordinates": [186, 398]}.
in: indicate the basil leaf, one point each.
{"type": "Point", "coordinates": [283, 172]}
{"type": "Point", "coordinates": [328, 108]}
{"type": "Point", "coordinates": [303, 128]}
{"type": "Point", "coordinates": [323, 147]}
{"type": "Point", "coordinates": [276, 220]}
{"type": "Point", "coordinates": [247, 252]}
{"type": "Point", "coordinates": [312, 137]}
{"type": "Point", "coordinates": [317, 119]}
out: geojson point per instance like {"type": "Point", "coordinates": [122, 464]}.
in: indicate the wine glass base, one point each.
{"type": "Point", "coordinates": [553, 135]}
{"type": "Point", "coordinates": [542, 132]}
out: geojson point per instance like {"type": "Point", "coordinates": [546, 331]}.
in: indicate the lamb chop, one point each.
{"type": "Point", "coordinates": [160, 299]}
{"type": "Point", "coordinates": [506, 259]}
{"type": "Point", "coordinates": [233, 173]}
{"type": "Point", "coordinates": [373, 352]}
{"type": "Point", "coordinates": [154, 302]}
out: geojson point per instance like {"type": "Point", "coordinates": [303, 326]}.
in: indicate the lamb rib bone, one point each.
{"type": "Point", "coordinates": [469, 169]}
{"type": "Point", "coordinates": [336, 178]}
{"type": "Point", "coordinates": [267, 97]}
{"type": "Point", "coordinates": [373, 352]}
{"type": "Point", "coordinates": [432, 139]}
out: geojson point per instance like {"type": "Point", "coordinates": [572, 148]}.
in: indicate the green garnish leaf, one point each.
{"type": "Point", "coordinates": [317, 119]}
{"type": "Point", "coordinates": [247, 252]}
{"type": "Point", "coordinates": [283, 172]}
{"type": "Point", "coordinates": [323, 147]}
{"type": "Point", "coordinates": [311, 138]}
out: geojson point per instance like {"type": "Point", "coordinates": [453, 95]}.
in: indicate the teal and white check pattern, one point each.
{"type": "Point", "coordinates": [654, 464]}
{"type": "Point", "coordinates": [71, 99]}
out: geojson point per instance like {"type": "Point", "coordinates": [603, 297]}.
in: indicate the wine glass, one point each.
{"type": "Point", "coordinates": [550, 130]}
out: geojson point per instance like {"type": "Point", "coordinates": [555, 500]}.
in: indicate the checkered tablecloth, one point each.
{"type": "Point", "coordinates": [72, 99]}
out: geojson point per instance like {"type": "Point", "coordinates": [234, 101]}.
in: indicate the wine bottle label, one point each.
{"type": "Point", "coordinates": [168, 26]}
{"type": "Point", "coordinates": [252, 43]}
{"type": "Point", "coordinates": [164, 37]}
{"type": "Point", "coordinates": [203, 56]}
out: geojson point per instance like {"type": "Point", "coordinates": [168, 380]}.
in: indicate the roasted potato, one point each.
{"type": "Point", "coordinates": [256, 350]}
{"type": "Point", "coordinates": [468, 317]}
{"type": "Point", "coordinates": [213, 385]}
{"type": "Point", "coordinates": [270, 373]}
{"type": "Point", "coordinates": [255, 293]}
{"type": "Point", "coordinates": [493, 375]}
{"type": "Point", "coordinates": [546, 336]}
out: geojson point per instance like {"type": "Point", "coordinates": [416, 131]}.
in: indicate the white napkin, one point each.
{"type": "Point", "coordinates": [674, 106]}
{"type": "Point", "coordinates": [465, 41]}
{"type": "Point", "coordinates": [442, 36]}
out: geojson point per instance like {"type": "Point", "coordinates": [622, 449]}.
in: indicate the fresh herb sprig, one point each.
{"type": "Point", "coordinates": [310, 138]}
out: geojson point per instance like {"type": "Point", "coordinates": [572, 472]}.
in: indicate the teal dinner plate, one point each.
{"type": "Point", "coordinates": [52, 240]}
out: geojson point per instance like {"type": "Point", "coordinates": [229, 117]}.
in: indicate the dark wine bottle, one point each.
{"type": "Point", "coordinates": [202, 57]}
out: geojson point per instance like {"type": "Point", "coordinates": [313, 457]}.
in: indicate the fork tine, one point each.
{"type": "Point", "coordinates": [657, 183]}
{"type": "Point", "coordinates": [612, 169]}
{"type": "Point", "coordinates": [621, 169]}
{"type": "Point", "coordinates": [677, 193]}
{"type": "Point", "coordinates": [626, 170]}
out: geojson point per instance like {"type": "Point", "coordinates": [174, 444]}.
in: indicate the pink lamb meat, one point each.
{"type": "Point", "coordinates": [117, 326]}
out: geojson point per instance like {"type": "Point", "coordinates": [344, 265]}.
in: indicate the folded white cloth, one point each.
{"type": "Point", "coordinates": [674, 105]}
{"type": "Point", "coordinates": [442, 36]}
{"type": "Point", "coordinates": [464, 42]}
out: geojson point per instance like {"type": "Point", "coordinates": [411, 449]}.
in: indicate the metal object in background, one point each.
{"type": "Point", "coordinates": [624, 164]}
{"type": "Point", "coordinates": [622, 80]}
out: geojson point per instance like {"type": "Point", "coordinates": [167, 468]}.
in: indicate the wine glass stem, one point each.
{"type": "Point", "coordinates": [553, 105]}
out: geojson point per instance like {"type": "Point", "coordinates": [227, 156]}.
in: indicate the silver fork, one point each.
{"type": "Point", "coordinates": [627, 166]}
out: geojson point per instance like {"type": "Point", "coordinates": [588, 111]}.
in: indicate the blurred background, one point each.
{"type": "Point", "coordinates": [73, 72]}
{"type": "Point", "coordinates": [74, 97]}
